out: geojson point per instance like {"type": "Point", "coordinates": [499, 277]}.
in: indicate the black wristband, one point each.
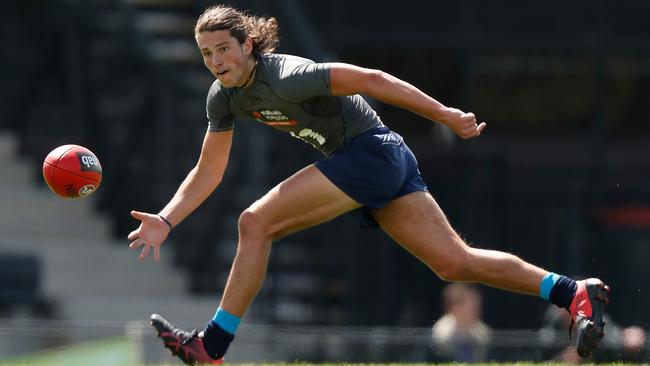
{"type": "Point", "coordinates": [166, 222]}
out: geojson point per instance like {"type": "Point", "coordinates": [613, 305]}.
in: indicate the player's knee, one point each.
{"type": "Point", "coordinates": [456, 267]}
{"type": "Point", "coordinates": [252, 227]}
{"type": "Point", "coordinates": [453, 272]}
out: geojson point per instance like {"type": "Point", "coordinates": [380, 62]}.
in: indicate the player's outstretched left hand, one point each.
{"type": "Point", "coordinates": [151, 233]}
{"type": "Point", "coordinates": [463, 124]}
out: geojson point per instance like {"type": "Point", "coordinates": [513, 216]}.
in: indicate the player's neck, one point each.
{"type": "Point", "coordinates": [251, 74]}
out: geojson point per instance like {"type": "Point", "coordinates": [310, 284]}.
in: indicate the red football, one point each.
{"type": "Point", "coordinates": [72, 171]}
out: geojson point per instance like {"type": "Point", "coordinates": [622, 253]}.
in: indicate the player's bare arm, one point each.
{"type": "Point", "coordinates": [203, 179]}
{"type": "Point", "coordinates": [346, 79]}
{"type": "Point", "coordinates": [200, 182]}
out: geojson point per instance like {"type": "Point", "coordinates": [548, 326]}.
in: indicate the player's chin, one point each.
{"type": "Point", "coordinates": [227, 83]}
{"type": "Point", "coordinates": [225, 79]}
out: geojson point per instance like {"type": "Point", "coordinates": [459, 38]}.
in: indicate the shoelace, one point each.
{"type": "Point", "coordinates": [189, 338]}
{"type": "Point", "coordinates": [571, 327]}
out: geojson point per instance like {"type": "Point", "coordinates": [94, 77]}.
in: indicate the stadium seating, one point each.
{"type": "Point", "coordinates": [20, 279]}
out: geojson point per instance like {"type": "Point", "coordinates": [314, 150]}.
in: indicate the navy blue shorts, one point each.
{"type": "Point", "coordinates": [374, 168]}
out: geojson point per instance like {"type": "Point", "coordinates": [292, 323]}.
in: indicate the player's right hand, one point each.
{"type": "Point", "coordinates": [151, 233]}
{"type": "Point", "coordinates": [463, 124]}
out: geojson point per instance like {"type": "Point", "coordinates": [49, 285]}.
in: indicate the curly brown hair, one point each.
{"type": "Point", "coordinates": [263, 31]}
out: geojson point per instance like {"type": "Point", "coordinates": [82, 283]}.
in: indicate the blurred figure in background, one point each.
{"type": "Point", "coordinates": [460, 335]}
{"type": "Point", "coordinates": [553, 336]}
{"type": "Point", "coordinates": [633, 341]}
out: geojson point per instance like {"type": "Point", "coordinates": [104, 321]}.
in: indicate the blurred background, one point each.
{"type": "Point", "coordinates": [561, 176]}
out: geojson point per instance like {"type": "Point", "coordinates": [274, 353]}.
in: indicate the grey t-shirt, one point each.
{"type": "Point", "coordinates": [292, 94]}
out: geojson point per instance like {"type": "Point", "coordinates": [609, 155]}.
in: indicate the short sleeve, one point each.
{"type": "Point", "coordinates": [307, 80]}
{"type": "Point", "coordinates": [220, 117]}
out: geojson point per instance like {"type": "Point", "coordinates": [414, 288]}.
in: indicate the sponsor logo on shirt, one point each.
{"type": "Point", "coordinates": [307, 132]}
{"type": "Point", "coordinates": [273, 117]}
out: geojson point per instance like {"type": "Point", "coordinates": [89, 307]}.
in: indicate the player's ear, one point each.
{"type": "Point", "coordinates": [248, 46]}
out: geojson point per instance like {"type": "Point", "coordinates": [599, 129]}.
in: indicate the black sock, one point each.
{"type": "Point", "coordinates": [216, 340]}
{"type": "Point", "coordinates": [563, 292]}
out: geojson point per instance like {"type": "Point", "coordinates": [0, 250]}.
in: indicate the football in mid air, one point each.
{"type": "Point", "coordinates": [72, 171]}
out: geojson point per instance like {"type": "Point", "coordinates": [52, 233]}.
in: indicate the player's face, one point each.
{"type": "Point", "coordinates": [225, 57]}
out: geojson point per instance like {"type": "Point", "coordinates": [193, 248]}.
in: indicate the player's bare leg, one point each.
{"type": "Point", "coordinates": [303, 200]}
{"type": "Point", "coordinates": [419, 225]}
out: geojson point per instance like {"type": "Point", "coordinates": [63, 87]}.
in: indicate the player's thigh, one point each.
{"type": "Point", "coordinates": [305, 199]}
{"type": "Point", "coordinates": [417, 223]}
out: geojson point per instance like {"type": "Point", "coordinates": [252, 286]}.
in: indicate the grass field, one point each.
{"type": "Point", "coordinates": [92, 363]}
{"type": "Point", "coordinates": [110, 352]}
{"type": "Point", "coordinates": [119, 351]}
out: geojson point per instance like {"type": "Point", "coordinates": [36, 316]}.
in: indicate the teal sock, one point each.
{"type": "Point", "coordinates": [219, 333]}
{"type": "Point", "coordinates": [226, 321]}
{"type": "Point", "coordinates": [558, 289]}
{"type": "Point", "coordinates": [547, 285]}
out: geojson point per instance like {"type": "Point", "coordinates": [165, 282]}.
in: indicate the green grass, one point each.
{"type": "Point", "coordinates": [332, 364]}
{"type": "Point", "coordinates": [67, 361]}
{"type": "Point", "coordinates": [119, 351]}
{"type": "Point", "coordinates": [110, 352]}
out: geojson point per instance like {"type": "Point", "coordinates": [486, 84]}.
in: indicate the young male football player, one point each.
{"type": "Point", "coordinates": [366, 165]}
